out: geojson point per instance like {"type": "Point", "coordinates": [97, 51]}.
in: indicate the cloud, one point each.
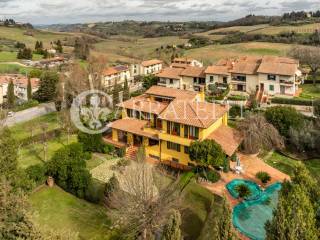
{"type": "Point", "coordinates": [70, 11]}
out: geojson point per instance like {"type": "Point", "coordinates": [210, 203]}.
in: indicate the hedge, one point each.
{"type": "Point", "coordinates": [292, 101]}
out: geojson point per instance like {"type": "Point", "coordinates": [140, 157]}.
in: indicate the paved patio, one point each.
{"type": "Point", "coordinates": [251, 165]}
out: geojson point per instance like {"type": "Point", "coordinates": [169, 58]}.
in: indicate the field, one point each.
{"type": "Point", "coordinates": [17, 34]}
{"type": "Point", "coordinates": [12, 57]}
{"type": "Point", "coordinates": [211, 54]}
{"type": "Point", "coordinates": [58, 210]}
{"type": "Point", "coordinates": [128, 49]}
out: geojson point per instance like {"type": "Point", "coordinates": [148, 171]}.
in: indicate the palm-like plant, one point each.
{"type": "Point", "coordinates": [243, 191]}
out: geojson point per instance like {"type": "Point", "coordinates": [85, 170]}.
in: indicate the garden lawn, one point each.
{"type": "Point", "coordinates": [23, 130]}
{"type": "Point", "coordinates": [287, 165]}
{"type": "Point", "coordinates": [195, 208]}
{"type": "Point", "coordinates": [8, 56]}
{"type": "Point", "coordinates": [58, 210]}
{"type": "Point", "coordinates": [13, 68]}
{"type": "Point", "coordinates": [33, 154]}
{"type": "Point", "coordinates": [310, 91]}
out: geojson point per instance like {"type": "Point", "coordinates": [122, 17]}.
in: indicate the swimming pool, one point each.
{"type": "Point", "coordinates": [254, 188]}
{"type": "Point", "coordinates": [249, 217]}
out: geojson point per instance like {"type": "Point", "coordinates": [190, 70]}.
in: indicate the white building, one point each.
{"type": "Point", "coordinates": [148, 67]}
{"type": "Point", "coordinates": [118, 74]}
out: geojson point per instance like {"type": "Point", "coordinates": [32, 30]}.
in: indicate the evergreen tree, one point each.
{"type": "Point", "coordinates": [29, 90]}
{"type": "Point", "coordinates": [294, 217]}
{"type": "Point", "coordinates": [126, 90]}
{"type": "Point", "coordinates": [48, 86]}
{"type": "Point", "coordinates": [115, 93]}
{"type": "Point", "coordinates": [10, 95]}
{"type": "Point", "coordinates": [59, 47]}
{"type": "Point", "coordinates": [172, 230]}
{"type": "Point", "coordinates": [9, 153]}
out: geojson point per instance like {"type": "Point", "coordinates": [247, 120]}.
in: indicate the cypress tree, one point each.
{"type": "Point", "coordinates": [115, 94]}
{"type": "Point", "coordinates": [294, 217]}
{"type": "Point", "coordinates": [29, 90]}
{"type": "Point", "coordinates": [172, 230]}
{"type": "Point", "coordinates": [10, 95]}
{"type": "Point", "coordinates": [126, 90]}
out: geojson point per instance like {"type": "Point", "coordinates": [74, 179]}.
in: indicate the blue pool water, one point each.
{"type": "Point", "coordinates": [254, 188]}
{"type": "Point", "coordinates": [250, 216]}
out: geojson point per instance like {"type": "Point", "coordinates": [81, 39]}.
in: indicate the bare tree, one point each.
{"type": "Point", "coordinates": [44, 128]}
{"type": "Point", "coordinates": [66, 123]}
{"type": "Point", "coordinates": [143, 201]}
{"type": "Point", "coordinates": [258, 133]}
{"type": "Point", "coordinates": [309, 56]}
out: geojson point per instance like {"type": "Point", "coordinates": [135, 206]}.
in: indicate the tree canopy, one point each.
{"type": "Point", "coordinates": [207, 152]}
{"type": "Point", "coordinates": [48, 86]}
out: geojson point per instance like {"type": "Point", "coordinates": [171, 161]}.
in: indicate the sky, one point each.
{"type": "Point", "coordinates": [86, 11]}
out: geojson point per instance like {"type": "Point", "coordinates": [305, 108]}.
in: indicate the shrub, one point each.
{"type": "Point", "coordinates": [94, 193]}
{"type": "Point", "coordinates": [213, 176]}
{"type": "Point", "coordinates": [243, 191]}
{"type": "Point", "coordinates": [237, 98]}
{"type": "Point", "coordinates": [110, 187]}
{"type": "Point", "coordinates": [284, 118]}
{"type": "Point", "coordinates": [292, 101]}
{"type": "Point", "coordinates": [264, 177]}
{"type": "Point", "coordinates": [121, 152]}
{"type": "Point", "coordinates": [68, 168]}
{"type": "Point", "coordinates": [37, 173]}
{"type": "Point", "coordinates": [235, 111]}
{"type": "Point", "coordinates": [91, 142]}
{"type": "Point", "coordinates": [108, 148]}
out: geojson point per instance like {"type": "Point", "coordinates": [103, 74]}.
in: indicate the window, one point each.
{"type": "Point", "coordinates": [173, 146]}
{"type": "Point", "coordinates": [173, 128]}
{"type": "Point", "coordinates": [241, 78]}
{"type": "Point", "coordinates": [271, 77]}
{"type": "Point", "coordinates": [225, 80]}
{"type": "Point", "coordinates": [191, 132]}
{"type": "Point", "coordinates": [211, 79]}
{"type": "Point", "coordinates": [271, 87]}
{"type": "Point", "coordinates": [195, 80]}
{"type": "Point", "coordinates": [186, 150]}
{"type": "Point", "coordinates": [175, 160]}
{"type": "Point", "coordinates": [171, 81]}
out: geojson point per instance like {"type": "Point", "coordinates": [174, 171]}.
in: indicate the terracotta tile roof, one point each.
{"type": "Point", "coordinates": [193, 72]}
{"type": "Point", "coordinates": [172, 93]}
{"type": "Point", "coordinates": [19, 80]}
{"type": "Point", "coordinates": [278, 66]}
{"type": "Point", "coordinates": [218, 70]}
{"type": "Point", "coordinates": [228, 138]}
{"type": "Point", "coordinates": [179, 65]}
{"type": "Point", "coordinates": [246, 65]}
{"type": "Point", "coordinates": [185, 60]}
{"type": "Point", "coordinates": [151, 62]}
{"type": "Point", "coordinates": [173, 73]}
{"type": "Point", "coordinates": [134, 126]}
{"type": "Point", "coordinates": [198, 114]}
{"type": "Point", "coordinates": [144, 104]}
{"type": "Point", "coordinates": [114, 70]}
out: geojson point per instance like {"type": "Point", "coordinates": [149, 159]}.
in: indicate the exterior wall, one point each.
{"type": "Point", "coordinates": [216, 79]}
{"type": "Point", "coordinates": [115, 135]}
{"type": "Point", "coordinates": [110, 80]}
{"type": "Point", "coordinates": [151, 69]}
{"type": "Point", "coordinates": [168, 154]}
{"type": "Point", "coordinates": [204, 133]}
{"type": "Point", "coordinates": [284, 81]}
{"type": "Point", "coordinates": [188, 82]}
{"type": "Point", "coordinates": [166, 83]}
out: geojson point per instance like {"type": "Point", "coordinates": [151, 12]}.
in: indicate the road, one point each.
{"type": "Point", "coordinates": [30, 114]}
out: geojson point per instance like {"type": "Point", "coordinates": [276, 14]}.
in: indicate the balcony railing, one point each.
{"type": "Point", "coordinates": [286, 82]}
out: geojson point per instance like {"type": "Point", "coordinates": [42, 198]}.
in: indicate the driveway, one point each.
{"type": "Point", "coordinates": [30, 114]}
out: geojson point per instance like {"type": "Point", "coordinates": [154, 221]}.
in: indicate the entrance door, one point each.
{"type": "Point", "coordinates": [261, 86]}
{"type": "Point", "coordinates": [282, 89]}
{"type": "Point", "coordinates": [240, 88]}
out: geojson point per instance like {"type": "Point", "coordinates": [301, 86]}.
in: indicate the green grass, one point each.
{"type": "Point", "coordinates": [23, 130]}
{"type": "Point", "coordinates": [33, 154]}
{"type": "Point", "coordinates": [62, 211]}
{"type": "Point", "coordinates": [264, 51]}
{"type": "Point", "coordinates": [8, 56]}
{"type": "Point", "coordinates": [195, 207]}
{"type": "Point", "coordinates": [287, 165]}
{"type": "Point", "coordinates": [310, 91]}
{"type": "Point", "coordinates": [94, 162]}
{"type": "Point", "coordinates": [13, 68]}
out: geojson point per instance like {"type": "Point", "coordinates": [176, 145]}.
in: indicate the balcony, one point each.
{"type": "Point", "coordinates": [286, 82]}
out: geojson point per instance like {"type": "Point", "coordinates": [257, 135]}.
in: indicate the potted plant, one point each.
{"type": "Point", "coordinates": [264, 177]}
{"type": "Point", "coordinates": [243, 191]}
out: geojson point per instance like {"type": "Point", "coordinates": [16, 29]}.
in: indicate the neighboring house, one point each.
{"type": "Point", "coordinates": [118, 74]}
{"type": "Point", "coordinates": [166, 121]}
{"type": "Point", "coordinates": [187, 78]}
{"type": "Point", "coordinates": [269, 74]}
{"type": "Point", "coordinates": [148, 67]}
{"type": "Point", "coordinates": [20, 85]}
{"type": "Point", "coordinates": [185, 62]}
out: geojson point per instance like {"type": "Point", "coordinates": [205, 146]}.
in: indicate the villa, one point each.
{"type": "Point", "coordinates": [185, 62]}
{"type": "Point", "coordinates": [147, 67]}
{"type": "Point", "coordinates": [20, 83]}
{"type": "Point", "coordinates": [117, 74]}
{"type": "Point", "coordinates": [268, 75]}
{"type": "Point", "coordinates": [167, 120]}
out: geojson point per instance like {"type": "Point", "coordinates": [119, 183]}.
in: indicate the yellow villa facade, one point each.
{"type": "Point", "coordinates": [166, 121]}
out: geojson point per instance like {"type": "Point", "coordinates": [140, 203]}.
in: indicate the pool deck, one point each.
{"type": "Point", "coordinates": [251, 165]}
